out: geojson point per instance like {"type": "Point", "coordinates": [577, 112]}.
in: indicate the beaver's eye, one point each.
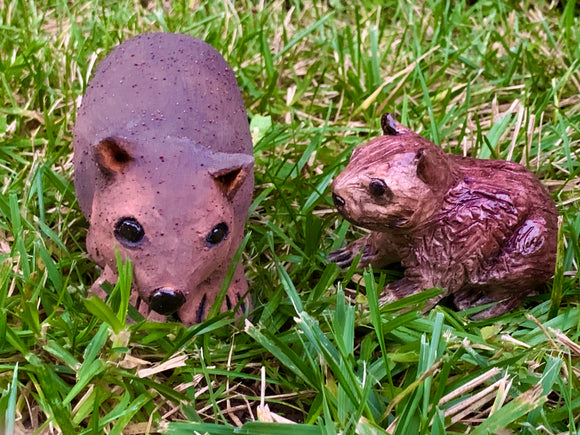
{"type": "Point", "coordinates": [217, 234]}
{"type": "Point", "coordinates": [377, 187]}
{"type": "Point", "coordinates": [129, 232]}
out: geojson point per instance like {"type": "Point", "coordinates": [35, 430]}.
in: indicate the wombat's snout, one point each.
{"type": "Point", "coordinates": [338, 201]}
{"type": "Point", "coordinates": [166, 301]}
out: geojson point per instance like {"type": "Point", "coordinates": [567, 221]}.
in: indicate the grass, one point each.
{"type": "Point", "coordinates": [489, 78]}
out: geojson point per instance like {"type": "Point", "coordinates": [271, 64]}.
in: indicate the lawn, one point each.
{"type": "Point", "coordinates": [489, 78]}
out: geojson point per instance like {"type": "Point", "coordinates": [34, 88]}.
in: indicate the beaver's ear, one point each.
{"type": "Point", "coordinates": [432, 168]}
{"type": "Point", "coordinates": [392, 127]}
{"type": "Point", "coordinates": [231, 171]}
{"type": "Point", "coordinates": [112, 155]}
{"type": "Point", "coordinates": [389, 124]}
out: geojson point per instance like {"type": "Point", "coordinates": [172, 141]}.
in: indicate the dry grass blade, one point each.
{"type": "Point", "coordinates": [172, 363]}
{"type": "Point", "coordinates": [470, 385]}
{"type": "Point", "coordinates": [565, 341]}
{"type": "Point", "coordinates": [472, 404]}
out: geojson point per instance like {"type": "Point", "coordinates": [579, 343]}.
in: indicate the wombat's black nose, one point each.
{"type": "Point", "coordinates": [338, 201]}
{"type": "Point", "coordinates": [166, 301]}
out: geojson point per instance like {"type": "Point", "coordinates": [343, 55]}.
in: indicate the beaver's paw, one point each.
{"type": "Point", "coordinates": [344, 257]}
{"type": "Point", "coordinates": [398, 290]}
{"type": "Point", "coordinates": [501, 307]}
{"type": "Point", "coordinates": [387, 296]}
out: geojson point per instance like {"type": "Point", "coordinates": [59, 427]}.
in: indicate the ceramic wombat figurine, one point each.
{"type": "Point", "coordinates": [164, 171]}
{"type": "Point", "coordinates": [483, 230]}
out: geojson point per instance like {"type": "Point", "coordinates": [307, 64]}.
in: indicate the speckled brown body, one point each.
{"type": "Point", "coordinates": [164, 172]}
{"type": "Point", "coordinates": [483, 230]}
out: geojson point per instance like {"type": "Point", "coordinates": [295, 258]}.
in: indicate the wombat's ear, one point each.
{"type": "Point", "coordinates": [231, 172]}
{"type": "Point", "coordinates": [432, 169]}
{"type": "Point", "coordinates": [112, 155]}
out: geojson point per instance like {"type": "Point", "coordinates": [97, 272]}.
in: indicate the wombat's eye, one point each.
{"type": "Point", "coordinates": [377, 187]}
{"type": "Point", "coordinates": [217, 234]}
{"type": "Point", "coordinates": [129, 232]}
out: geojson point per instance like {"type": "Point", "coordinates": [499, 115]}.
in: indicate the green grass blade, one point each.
{"type": "Point", "coordinates": [373, 300]}
{"type": "Point", "coordinates": [558, 284]}
{"type": "Point", "coordinates": [302, 34]}
{"type": "Point", "coordinates": [134, 407]}
{"type": "Point", "coordinates": [219, 300]}
{"type": "Point", "coordinates": [512, 411]}
{"type": "Point", "coordinates": [10, 410]}
{"type": "Point", "coordinates": [101, 310]}
{"type": "Point", "coordinates": [283, 353]}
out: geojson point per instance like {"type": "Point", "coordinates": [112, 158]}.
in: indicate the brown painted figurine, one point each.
{"type": "Point", "coordinates": [483, 230]}
{"type": "Point", "coordinates": [164, 172]}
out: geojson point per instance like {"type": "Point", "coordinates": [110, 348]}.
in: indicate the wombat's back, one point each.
{"type": "Point", "coordinates": [155, 86]}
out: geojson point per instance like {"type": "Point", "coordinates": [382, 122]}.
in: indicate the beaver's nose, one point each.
{"type": "Point", "coordinates": [338, 201]}
{"type": "Point", "coordinates": [166, 301]}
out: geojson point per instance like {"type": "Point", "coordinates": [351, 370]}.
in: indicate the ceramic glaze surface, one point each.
{"type": "Point", "coordinates": [164, 172]}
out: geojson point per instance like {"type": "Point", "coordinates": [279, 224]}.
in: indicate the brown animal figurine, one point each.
{"type": "Point", "coordinates": [164, 172]}
{"type": "Point", "coordinates": [485, 231]}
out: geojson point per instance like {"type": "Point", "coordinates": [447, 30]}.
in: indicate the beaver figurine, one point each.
{"type": "Point", "coordinates": [485, 231]}
{"type": "Point", "coordinates": [164, 173]}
